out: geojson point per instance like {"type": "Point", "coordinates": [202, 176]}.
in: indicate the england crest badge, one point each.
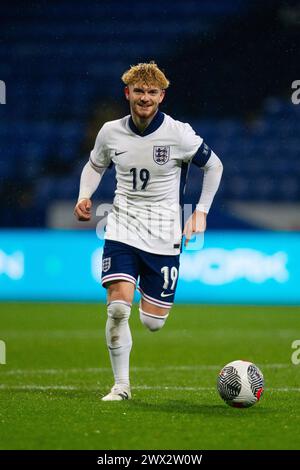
{"type": "Point", "coordinates": [106, 264]}
{"type": "Point", "coordinates": [161, 154]}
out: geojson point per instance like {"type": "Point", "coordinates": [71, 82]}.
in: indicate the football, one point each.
{"type": "Point", "coordinates": [240, 384]}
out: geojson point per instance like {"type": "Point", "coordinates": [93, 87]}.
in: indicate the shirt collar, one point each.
{"type": "Point", "coordinates": [153, 126]}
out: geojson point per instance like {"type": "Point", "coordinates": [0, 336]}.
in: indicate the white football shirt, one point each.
{"type": "Point", "coordinates": [151, 170]}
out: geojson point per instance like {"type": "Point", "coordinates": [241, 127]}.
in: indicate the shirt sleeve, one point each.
{"type": "Point", "coordinates": [213, 170]}
{"type": "Point", "coordinates": [100, 155]}
{"type": "Point", "coordinates": [89, 181]}
{"type": "Point", "coordinates": [194, 149]}
{"type": "Point", "coordinates": [190, 142]}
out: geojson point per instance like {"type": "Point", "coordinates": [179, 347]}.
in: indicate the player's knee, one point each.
{"type": "Point", "coordinates": [117, 327]}
{"type": "Point", "coordinates": [151, 321]}
{"type": "Point", "coordinates": [118, 310]}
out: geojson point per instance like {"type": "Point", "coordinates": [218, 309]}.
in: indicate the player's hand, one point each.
{"type": "Point", "coordinates": [196, 223]}
{"type": "Point", "coordinates": [83, 210]}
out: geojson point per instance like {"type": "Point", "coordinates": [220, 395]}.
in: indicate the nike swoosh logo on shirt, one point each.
{"type": "Point", "coordinates": [165, 295]}
{"type": "Point", "coordinates": [120, 153]}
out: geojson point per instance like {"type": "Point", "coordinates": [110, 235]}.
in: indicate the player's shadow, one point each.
{"type": "Point", "coordinates": [172, 406]}
{"type": "Point", "coordinates": [185, 407]}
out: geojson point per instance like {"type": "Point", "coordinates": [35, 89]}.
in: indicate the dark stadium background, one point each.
{"type": "Point", "coordinates": [233, 67]}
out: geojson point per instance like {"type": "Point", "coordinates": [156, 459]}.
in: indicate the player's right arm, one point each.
{"type": "Point", "coordinates": [91, 176]}
{"type": "Point", "coordinates": [89, 182]}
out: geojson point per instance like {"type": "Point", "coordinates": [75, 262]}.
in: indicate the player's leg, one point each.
{"type": "Point", "coordinates": [118, 336]}
{"type": "Point", "coordinates": [158, 281]}
{"type": "Point", "coordinates": [119, 277]}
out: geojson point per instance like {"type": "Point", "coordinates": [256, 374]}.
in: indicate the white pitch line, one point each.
{"type": "Point", "coordinates": [96, 334]}
{"type": "Point", "coordinates": [91, 370]}
{"type": "Point", "coordinates": [195, 389]}
{"type": "Point", "coordinates": [97, 370]}
{"type": "Point", "coordinates": [34, 387]}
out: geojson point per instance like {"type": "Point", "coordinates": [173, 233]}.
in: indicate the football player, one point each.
{"type": "Point", "coordinates": [152, 154]}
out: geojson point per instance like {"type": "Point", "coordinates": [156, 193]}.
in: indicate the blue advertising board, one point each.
{"type": "Point", "coordinates": [231, 267]}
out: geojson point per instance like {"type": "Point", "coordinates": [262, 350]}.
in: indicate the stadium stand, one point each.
{"type": "Point", "coordinates": [57, 72]}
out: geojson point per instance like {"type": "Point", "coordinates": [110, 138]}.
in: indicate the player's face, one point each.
{"type": "Point", "coordinates": [144, 100]}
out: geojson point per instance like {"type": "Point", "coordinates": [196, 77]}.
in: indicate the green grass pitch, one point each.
{"type": "Point", "coordinates": [58, 368]}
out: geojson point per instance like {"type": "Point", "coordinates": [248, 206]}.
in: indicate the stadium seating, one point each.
{"type": "Point", "coordinates": [56, 71]}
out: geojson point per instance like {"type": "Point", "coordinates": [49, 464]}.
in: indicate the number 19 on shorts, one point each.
{"type": "Point", "coordinates": [170, 276]}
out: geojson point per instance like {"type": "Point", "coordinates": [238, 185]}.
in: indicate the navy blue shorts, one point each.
{"type": "Point", "coordinates": [158, 274]}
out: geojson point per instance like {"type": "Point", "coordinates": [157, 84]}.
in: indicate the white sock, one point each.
{"type": "Point", "coordinates": [118, 339]}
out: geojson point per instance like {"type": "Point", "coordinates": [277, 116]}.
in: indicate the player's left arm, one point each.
{"type": "Point", "coordinates": [213, 170]}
